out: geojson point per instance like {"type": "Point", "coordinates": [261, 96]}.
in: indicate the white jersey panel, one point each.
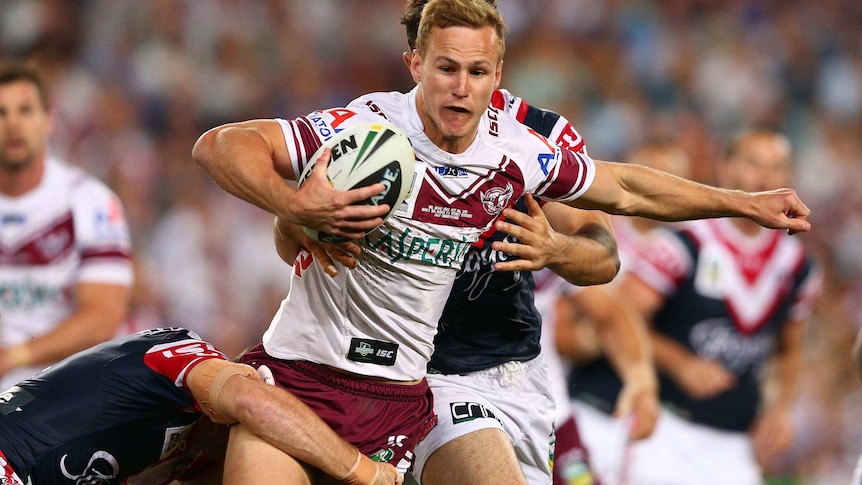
{"type": "Point", "coordinates": [380, 319]}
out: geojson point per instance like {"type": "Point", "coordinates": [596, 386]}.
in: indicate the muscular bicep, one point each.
{"type": "Point", "coordinates": [272, 134]}
{"type": "Point", "coordinates": [254, 144]}
{"type": "Point", "coordinates": [607, 192]}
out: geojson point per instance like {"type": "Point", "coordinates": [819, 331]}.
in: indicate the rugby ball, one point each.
{"type": "Point", "coordinates": [362, 155]}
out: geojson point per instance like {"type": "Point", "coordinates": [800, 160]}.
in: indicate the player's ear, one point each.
{"type": "Point", "coordinates": [416, 66]}
{"type": "Point", "coordinates": [499, 74]}
{"type": "Point", "coordinates": [407, 56]}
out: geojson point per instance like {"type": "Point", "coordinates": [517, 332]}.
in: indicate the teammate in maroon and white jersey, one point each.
{"type": "Point", "coordinates": [391, 305]}
{"type": "Point", "coordinates": [65, 268]}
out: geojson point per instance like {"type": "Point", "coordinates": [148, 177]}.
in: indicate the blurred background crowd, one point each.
{"type": "Point", "coordinates": [134, 83]}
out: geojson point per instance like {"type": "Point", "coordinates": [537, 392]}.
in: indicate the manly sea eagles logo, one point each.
{"type": "Point", "coordinates": [497, 199]}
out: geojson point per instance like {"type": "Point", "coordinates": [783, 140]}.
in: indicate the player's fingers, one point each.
{"type": "Point", "coordinates": [359, 213]}
{"type": "Point", "coordinates": [517, 265]}
{"type": "Point", "coordinates": [533, 206]}
{"type": "Point", "coordinates": [360, 194]}
{"type": "Point", "coordinates": [517, 218]}
{"type": "Point", "coordinates": [350, 248]}
{"type": "Point", "coordinates": [322, 258]}
{"type": "Point", "coordinates": [514, 249]}
{"type": "Point", "coordinates": [342, 257]}
{"type": "Point", "coordinates": [320, 165]}
{"type": "Point", "coordinates": [795, 225]}
{"type": "Point", "coordinates": [356, 228]}
{"type": "Point", "coordinates": [513, 230]}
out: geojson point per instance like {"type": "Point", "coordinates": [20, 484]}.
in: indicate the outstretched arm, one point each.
{"type": "Point", "coordinates": [229, 393]}
{"type": "Point", "coordinates": [250, 160]}
{"type": "Point", "coordinates": [637, 190]}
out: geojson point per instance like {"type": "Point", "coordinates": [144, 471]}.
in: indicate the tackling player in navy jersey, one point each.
{"type": "Point", "coordinates": [130, 411]}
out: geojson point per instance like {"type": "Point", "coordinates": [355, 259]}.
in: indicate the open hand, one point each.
{"type": "Point", "coordinates": [539, 245]}
{"type": "Point", "coordinates": [317, 205]}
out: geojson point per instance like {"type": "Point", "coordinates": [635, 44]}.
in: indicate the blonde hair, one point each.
{"type": "Point", "coordinates": [474, 14]}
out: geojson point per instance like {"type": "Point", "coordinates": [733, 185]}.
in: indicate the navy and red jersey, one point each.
{"type": "Point", "coordinates": [727, 297]}
{"type": "Point", "coordinates": [490, 318]}
{"type": "Point", "coordinates": [104, 414]}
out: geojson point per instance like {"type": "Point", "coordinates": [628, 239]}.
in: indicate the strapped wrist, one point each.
{"type": "Point", "coordinates": [364, 472]}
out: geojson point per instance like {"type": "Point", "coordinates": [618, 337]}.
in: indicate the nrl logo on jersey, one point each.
{"type": "Point", "coordinates": [448, 171]}
{"type": "Point", "coordinates": [497, 199]}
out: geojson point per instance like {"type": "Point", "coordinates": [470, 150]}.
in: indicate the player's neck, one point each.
{"type": "Point", "coordinates": [18, 181]}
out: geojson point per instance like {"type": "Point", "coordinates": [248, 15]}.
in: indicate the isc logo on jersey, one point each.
{"type": "Point", "coordinates": [365, 154]}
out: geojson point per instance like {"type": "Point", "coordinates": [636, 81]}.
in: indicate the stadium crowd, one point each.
{"type": "Point", "coordinates": [135, 83]}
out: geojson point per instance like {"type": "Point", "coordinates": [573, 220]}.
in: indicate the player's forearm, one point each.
{"type": "Point", "coordinates": [662, 196]}
{"type": "Point", "coordinates": [670, 357]}
{"type": "Point", "coordinates": [589, 257]}
{"type": "Point", "coordinates": [642, 191]}
{"type": "Point", "coordinates": [787, 367]}
{"type": "Point", "coordinates": [239, 160]}
{"type": "Point", "coordinates": [627, 346]}
{"type": "Point", "coordinates": [92, 323]}
{"type": "Point", "coordinates": [286, 423]}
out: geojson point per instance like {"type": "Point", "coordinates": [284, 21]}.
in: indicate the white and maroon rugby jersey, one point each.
{"type": "Point", "coordinates": [70, 229]}
{"type": "Point", "coordinates": [380, 318]}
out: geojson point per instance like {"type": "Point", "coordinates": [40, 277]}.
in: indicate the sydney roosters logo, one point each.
{"type": "Point", "coordinates": [497, 199]}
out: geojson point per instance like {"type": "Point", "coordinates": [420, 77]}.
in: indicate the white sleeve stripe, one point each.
{"type": "Point", "coordinates": [290, 141]}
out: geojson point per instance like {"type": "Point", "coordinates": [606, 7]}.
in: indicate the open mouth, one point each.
{"type": "Point", "coordinates": [458, 109]}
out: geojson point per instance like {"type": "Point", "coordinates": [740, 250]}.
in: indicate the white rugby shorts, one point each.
{"type": "Point", "coordinates": [680, 451]}
{"type": "Point", "coordinates": [514, 397]}
{"type": "Point", "coordinates": [607, 440]}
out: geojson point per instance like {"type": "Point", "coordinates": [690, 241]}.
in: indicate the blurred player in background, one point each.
{"type": "Point", "coordinates": [725, 298]}
{"type": "Point", "coordinates": [584, 330]}
{"type": "Point", "coordinates": [65, 268]}
{"type": "Point", "coordinates": [147, 409]}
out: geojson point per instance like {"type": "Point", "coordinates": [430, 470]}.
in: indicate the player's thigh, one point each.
{"type": "Point", "coordinates": [250, 460]}
{"type": "Point", "coordinates": [483, 457]}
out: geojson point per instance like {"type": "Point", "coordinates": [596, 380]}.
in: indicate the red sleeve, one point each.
{"type": "Point", "coordinates": [174, 360]}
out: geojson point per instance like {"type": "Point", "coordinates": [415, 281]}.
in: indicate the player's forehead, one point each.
{"type": "Point", "coordinates": [464, 45]}
{"type": "Point", "coordinates": [18, 91]}
{"type": "Point", "coordinates": [764, 149]}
